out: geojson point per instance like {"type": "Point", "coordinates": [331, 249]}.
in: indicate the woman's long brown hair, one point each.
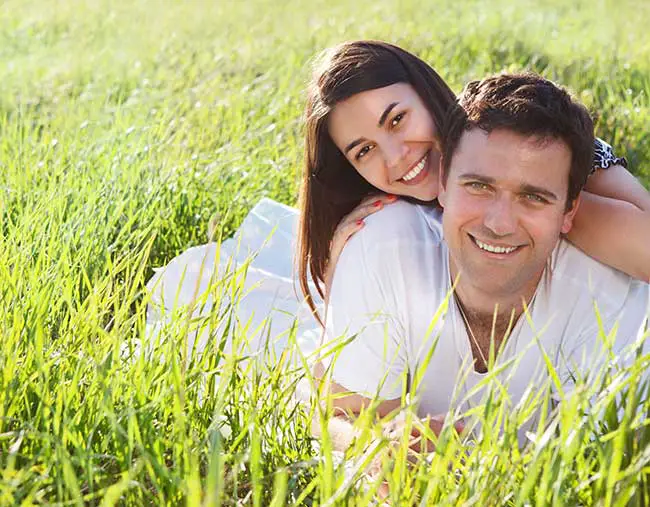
{"type": "Point", "coordinates": [330, 186]}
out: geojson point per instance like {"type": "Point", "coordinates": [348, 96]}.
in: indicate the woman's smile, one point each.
{"type": "Point", "coordinates": [417, 173]}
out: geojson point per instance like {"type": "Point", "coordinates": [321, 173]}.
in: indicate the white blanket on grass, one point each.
{"type": "Point", "coordinates": [258, 263]}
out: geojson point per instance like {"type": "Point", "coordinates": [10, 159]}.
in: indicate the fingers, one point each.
{"type": "Point", "coordinates": [368, 206]}
{"type": "Point", "coordinates": [353, 221]}
{"type": "Point", "coordinates": [437, 422]}
{"type": "Point", "coordinates": [419, 440]}
{"type": "Point", "coordinates": [459, 426]}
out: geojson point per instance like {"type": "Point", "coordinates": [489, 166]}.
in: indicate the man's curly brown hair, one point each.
{"type": "Point", "coordinates": [529, 105]}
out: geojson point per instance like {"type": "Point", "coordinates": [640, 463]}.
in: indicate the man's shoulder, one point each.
{"type": "Point", "coordinates": [404, 221]}
{"type": "Point", "coordinates": [403, 238]}
{"type": "Point", "coordinates": [575, 274]}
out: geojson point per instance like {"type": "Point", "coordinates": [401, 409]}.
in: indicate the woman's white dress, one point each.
{"type": "Point", "coordinates": [257, 266]}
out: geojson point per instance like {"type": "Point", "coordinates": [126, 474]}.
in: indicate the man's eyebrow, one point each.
{"type": "Point", "coordinates": [477, 177]}
{"type": "Point", "coordinates": [385, 114]}
{"type": "Point", "coordinates": [524, 189]}
{"type": "Point", "coordinates": [532, 189]}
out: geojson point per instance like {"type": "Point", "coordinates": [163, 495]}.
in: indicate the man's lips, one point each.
{"type": "Point", "coordinates": [498, 249]}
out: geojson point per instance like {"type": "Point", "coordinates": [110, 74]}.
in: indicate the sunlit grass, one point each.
{"type": "Point", "coordinates": [125, 127]}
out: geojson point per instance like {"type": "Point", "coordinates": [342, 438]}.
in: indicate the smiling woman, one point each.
{"type": "Point", "coordinates": [390, 106]}
{"type": "Point", "coordinates": [394, 147]}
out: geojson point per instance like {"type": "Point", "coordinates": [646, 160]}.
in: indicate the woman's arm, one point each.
{"type": "Point", "coordinates": [612, 223]}
{"type": "Point", "coordinates": [618, 183]}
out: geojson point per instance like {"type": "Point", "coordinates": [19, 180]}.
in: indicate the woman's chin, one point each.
{"type": "Point", "coordinates": [425, 193]}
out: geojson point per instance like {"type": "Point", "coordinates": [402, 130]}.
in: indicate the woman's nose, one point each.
{"type": "Point", "coordinates": [395, 156]}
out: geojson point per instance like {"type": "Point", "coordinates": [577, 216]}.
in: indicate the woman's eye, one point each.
{"type": "Point", "coordinates": [363, 152]}
{"type": "Point", "coordinates": [398, 118]}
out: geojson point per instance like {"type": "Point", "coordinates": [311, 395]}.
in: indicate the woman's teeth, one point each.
{"type": "Point", "coordinates": [416, 170]}
{"type": "Point", "coordinates": [494, 249]}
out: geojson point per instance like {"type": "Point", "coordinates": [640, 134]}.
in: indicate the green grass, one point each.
{"type": "Point", "coordinates": [125, 127]}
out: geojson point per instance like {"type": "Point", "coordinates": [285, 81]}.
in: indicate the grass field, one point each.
{"type": "Point", "coordinates": [126, 126]}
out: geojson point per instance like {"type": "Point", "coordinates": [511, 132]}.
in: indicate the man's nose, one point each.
{"type": "Point", "coordinates": [500, 217]}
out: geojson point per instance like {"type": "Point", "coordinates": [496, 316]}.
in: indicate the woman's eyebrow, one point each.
{"type": "Point", "coordinates": [385, 114]}
{"type": "Point", "coordinates": [382, 120]}
{"type": "Point", "coordinates": [353, 144]}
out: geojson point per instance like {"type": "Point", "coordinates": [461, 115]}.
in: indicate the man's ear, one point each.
{"type": "Point", "coordinates": [442, 187]}
{"type": "Point", "coordinates": [567, 221]}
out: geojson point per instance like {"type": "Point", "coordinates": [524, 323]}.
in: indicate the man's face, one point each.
{"type": "Point", "coordinates": [504, 209]}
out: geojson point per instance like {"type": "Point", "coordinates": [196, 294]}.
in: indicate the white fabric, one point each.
{"type": "Point", "coordinates": [391, 281]}
{"type": "Point", "coordinates": [392, 278]}
{"type": "Point", "coordinates": [260, 255]}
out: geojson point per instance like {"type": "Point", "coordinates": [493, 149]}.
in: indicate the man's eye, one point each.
{"type": "Point", "coordinates": [534, 198]}
{"type": "Point", "coordinates": [398, 118]}
{"type": "Point", "coordinates": [363, 152]}
{"type": "Point", "coordinates": [477, 185]}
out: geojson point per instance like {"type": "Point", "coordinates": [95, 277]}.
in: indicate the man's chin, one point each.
{"type": "Point", "coordinates": [490, 282]}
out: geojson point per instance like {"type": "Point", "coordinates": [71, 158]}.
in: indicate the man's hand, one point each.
{"type": "Point", "coordinates": [418, 441]}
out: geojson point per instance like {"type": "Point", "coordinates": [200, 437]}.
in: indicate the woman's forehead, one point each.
{"type": "Point", "coordinates": [366, 110]}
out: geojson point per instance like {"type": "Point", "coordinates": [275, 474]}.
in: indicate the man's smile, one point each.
{"type": "Point", "coordinates": [494, 249]}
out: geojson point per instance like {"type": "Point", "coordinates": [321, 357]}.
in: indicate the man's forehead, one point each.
{"type": "Point", "coordinates": [502, 153]}
{"type": "Point", "coordinates": [477, 137]}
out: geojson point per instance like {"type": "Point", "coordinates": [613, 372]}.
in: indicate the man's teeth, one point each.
{"type": "Point", "coordinates": [415, 171]}
{"type": "Point", "coordinates": [495, 249]}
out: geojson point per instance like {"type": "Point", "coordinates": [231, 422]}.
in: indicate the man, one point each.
{"type": "Point", "coordinates": [489, 284]}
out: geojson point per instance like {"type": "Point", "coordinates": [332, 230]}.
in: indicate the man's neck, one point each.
{"type": "Point", "coordinates": [483, 308]}
{"type": "Point", "coordinates": [489, 317]}
{"type": "Point", "coordinates": [482, 304]}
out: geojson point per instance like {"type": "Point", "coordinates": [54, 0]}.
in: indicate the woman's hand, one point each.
{"type": "Point", "coordinates": [351, 224]}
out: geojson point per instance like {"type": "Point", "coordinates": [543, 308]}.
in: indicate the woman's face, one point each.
{"type": "Point", "coordinates": [389, 137]}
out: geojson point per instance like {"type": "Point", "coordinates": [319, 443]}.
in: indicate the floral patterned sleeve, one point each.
{"type": "Point", "coordinates": [604, 156]}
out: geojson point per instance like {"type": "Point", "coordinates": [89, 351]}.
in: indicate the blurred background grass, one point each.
{"type": "Point", "coordinates": [200, 102]}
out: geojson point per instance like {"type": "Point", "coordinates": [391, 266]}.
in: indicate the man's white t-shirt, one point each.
{"type": "Point", "coordinates": [391, 296]}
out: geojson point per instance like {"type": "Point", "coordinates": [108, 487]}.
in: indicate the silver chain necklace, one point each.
{"type": "Point", "coordinates": [469, 329]}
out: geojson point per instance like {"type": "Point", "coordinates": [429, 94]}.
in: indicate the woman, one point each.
{"type": "Point", "coordinates": [372, 120]}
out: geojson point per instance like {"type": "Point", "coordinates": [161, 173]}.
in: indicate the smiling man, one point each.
{"type": "Point", "coordinates": [517, 152]}
{"type": "Point", "coordinates": [516, 156]}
